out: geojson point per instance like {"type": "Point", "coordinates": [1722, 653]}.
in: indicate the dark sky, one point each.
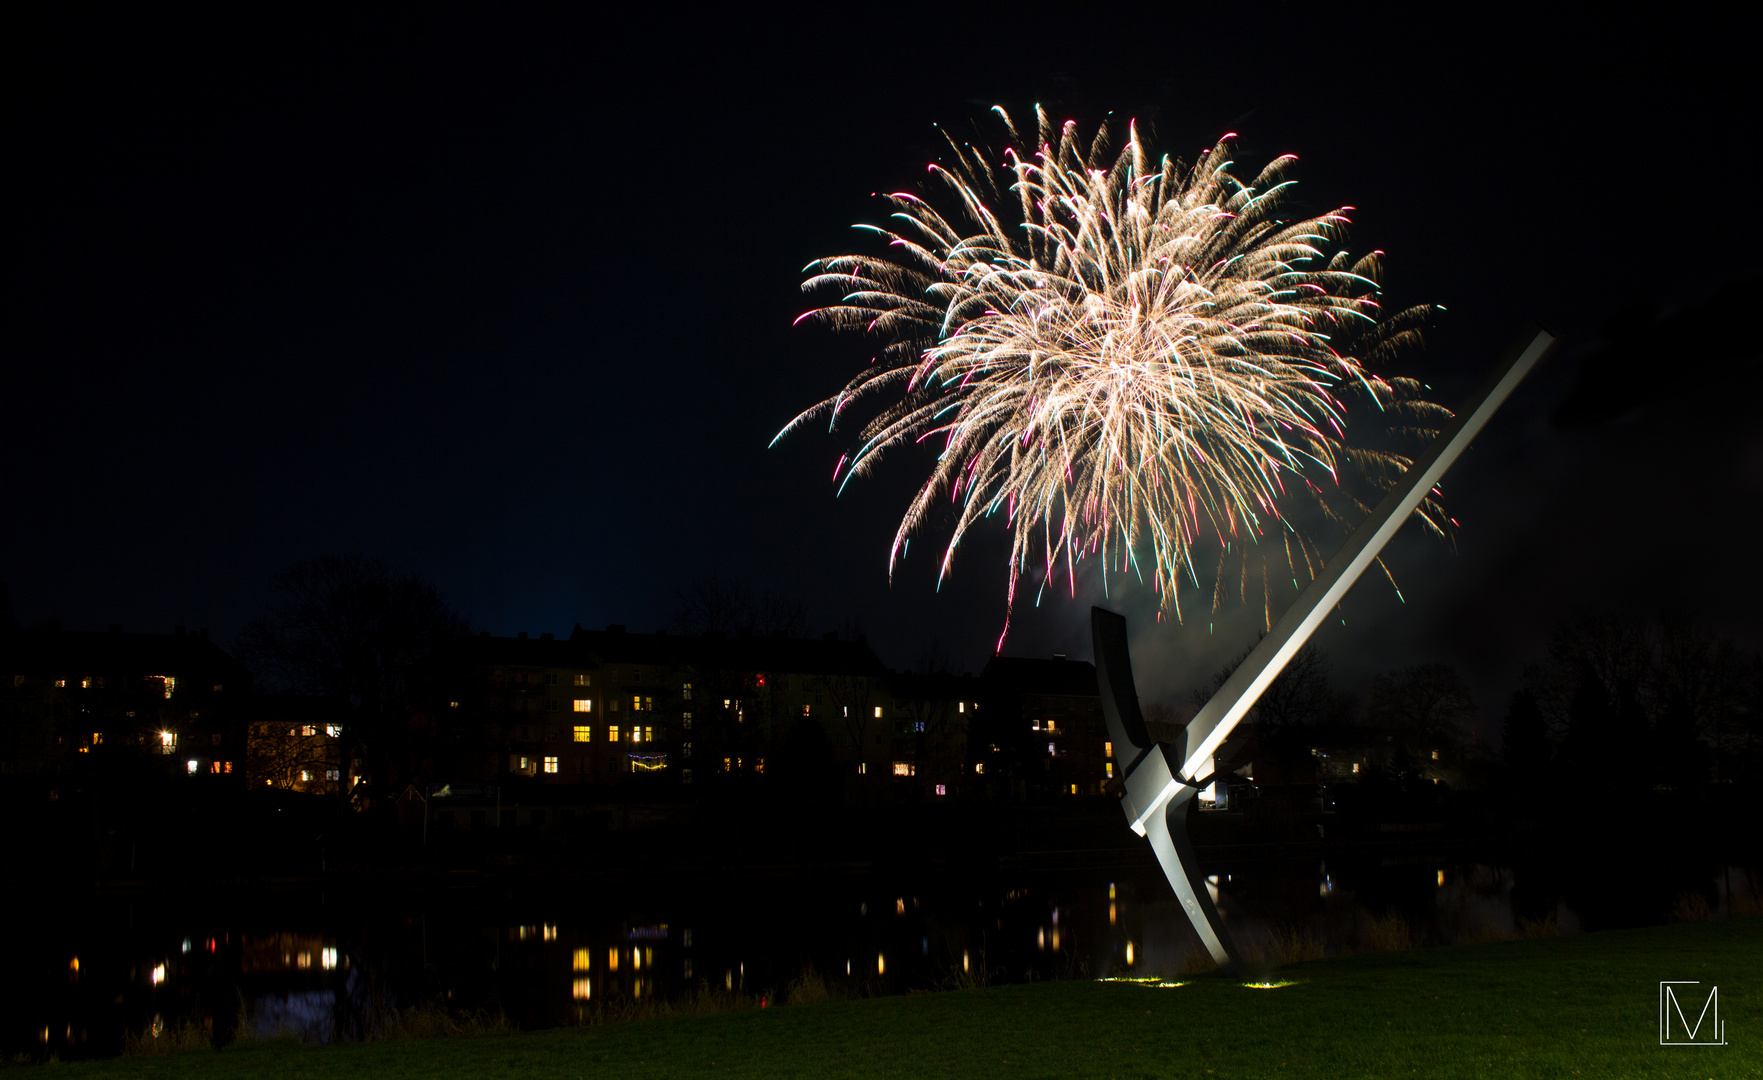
{"type": "Point", "coordinates": [506, 298]}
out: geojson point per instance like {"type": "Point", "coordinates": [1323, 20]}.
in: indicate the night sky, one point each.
{"type": "Point", "coordinates": [506, 299]}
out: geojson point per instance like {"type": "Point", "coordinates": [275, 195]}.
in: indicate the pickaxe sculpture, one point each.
{"type": "Point", "coordinates": [1161, 778]}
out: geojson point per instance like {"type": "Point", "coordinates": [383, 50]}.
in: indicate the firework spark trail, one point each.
{"type": "Point", "coordinates": [1122, 355]}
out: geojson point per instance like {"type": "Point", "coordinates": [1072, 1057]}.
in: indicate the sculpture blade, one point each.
{"type": "Point", "coordinates": [1215, 721]}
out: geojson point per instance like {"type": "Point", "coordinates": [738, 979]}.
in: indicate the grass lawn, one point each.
{"type": "Point", "coordinates": [1584, 1005]}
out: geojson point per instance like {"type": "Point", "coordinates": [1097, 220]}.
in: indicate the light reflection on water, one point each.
{"type": "Point", "coordinates": [324, 966]}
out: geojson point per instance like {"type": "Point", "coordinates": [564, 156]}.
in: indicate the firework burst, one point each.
{"type": "Point", "coordinates": [1127, 358]}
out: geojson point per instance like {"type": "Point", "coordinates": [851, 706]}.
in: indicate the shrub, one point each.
{"type": "Point", "coordinates": [160, 1039]}
{"type": "Point", "coordinates": [807, 988]}
{"type": "Point", "coordinates": [1746, 902]}
{"type": "Point", "coordinates": [1388, 933]}
{"type": "Point", "coordinates": [1539, 928]}
{"type": "Point", "coordinates": [426, 1021]}
{"type": "Point", "coordinates": [1690, 907]}
{"type": "Point", "coordinates": [1282, 947]}
{"type": "Point", "coordinates": [972, 975]}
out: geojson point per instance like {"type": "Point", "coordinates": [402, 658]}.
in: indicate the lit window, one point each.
{"type": "Point", "coordinates": [612, 733]}
{"type": "Point", "coordinates": [1435, 755]}
{"type": "Point", "coordinates": [805, 710]}
{"type": "Point", "coordinates": [685, 749]}
{"type": "Point", "coordinates": [305, 776]}
{"type": "Point", "coordinates": [685, 691]}
{"type": "Point", "coordinates": [583, 989]}
{"type": "Point", "coordinates": [583, 704]}
{"type": "Point", "coordinates": [1074, 789]}
{"type": "Point", "coordinates": [612, 959]}
{"type": "Point", "coordinates": [334, 731]}
{"type": "Point", "coordinates": [942, 790]}
{"type": "Point", "coordinates": [1355, 766]}
{"type": "Point", "coordinates": [192, 766]}
{"type": "Point", "coordinates": [583, 960]}
{"type": "Point", "coordinates": [1049, 727]}
{"type": "Point", "coordinates": [648, 734]}
{"type": "Point", "coordinates": [85, 684]}
{"type": "Point", "coordinates": [97, 738]}
{"type": "Point", "coordinates": [328, 957]}
{"type": "Point", "coordinates": [727, 764]}
{"type": "Point", "coordinates": [1107, 749]}
{"type": "Point", "coordinates": [979, 768]}
{"type": "Point", "coordinates": [309, 730]}
{"type": "Point", "coordinates": [170, 683]}
{"type": "Point", "coordinates": [1108, 768]}
{"type": "Point", "coordinates": [584, 733]}
{"type": "Point", "coordinates": [639, 703]}
{"type": "Point", "coordinates": [61, 684]}
{"type": "Point", "coordinates": [961, 706]}
{"type": "Point", "coordinates": [550, 764]}
{"type": "Point", "coordinates": [168, 741]}
{"type": "Point", "coordinates": [902, 768]}
{"type": "Point", "coordinates": [1052, 752]}
{"type": "Point", "coordinates": [862, 768]}
{"type": "Point", "coordinates": [214, 766]}
{"type": "Point", "coordinates": [333, 774]}
{"type": "Point", "coordinates": [878, 712]}
{"type": "Point", "coordinates": [451, 705]}
{"type": "Point", "coordinates": [760, 768]}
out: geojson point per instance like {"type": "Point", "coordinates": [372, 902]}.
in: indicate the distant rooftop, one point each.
{"type": "Point", "coordinates": [113, 652]}
{"type": "Point", "coordinates": [615, 645]}
{"type": "Point", "coordinates": [1037, 675]}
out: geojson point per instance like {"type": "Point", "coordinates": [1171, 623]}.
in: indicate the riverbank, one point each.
{"type": "Point", "coordinates": [1578, 1005]}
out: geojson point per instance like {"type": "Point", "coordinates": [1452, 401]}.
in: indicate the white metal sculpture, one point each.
{"type": "Point", "coordinates": [1159, 778]}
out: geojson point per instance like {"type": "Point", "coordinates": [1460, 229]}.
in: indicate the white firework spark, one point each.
{"type": "Point", "coordinates": [1125, 357]}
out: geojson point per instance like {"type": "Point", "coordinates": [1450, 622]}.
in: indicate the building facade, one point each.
{"type": "Point", "coordinates": [105, 707]}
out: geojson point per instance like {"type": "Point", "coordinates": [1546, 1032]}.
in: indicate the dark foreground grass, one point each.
{"type": "Point", "coordinates": [1576, 1006]}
